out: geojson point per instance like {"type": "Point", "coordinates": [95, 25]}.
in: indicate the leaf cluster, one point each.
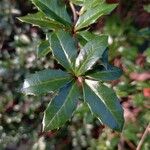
{"type": "Point", "coordinates": [84, 57]}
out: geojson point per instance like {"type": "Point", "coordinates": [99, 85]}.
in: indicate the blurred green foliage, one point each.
{"type": "Point", "coordinates": [21, 116]}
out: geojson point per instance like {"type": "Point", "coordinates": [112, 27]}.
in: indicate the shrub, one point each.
{"type": "Point", "coordinates": [83, 56]}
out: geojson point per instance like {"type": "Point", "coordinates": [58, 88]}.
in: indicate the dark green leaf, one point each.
{"type": "Point", "coordinates": [112, 73]}
{"type": "Point", "coordinates": [104, 103]}
{"type": "Point", "coordinates": [39, 19]}
{"type": "Point", "coordinates": [54, 9]}
{"type": "Point", "coordinates": [90, 53]}
{"type": "Point", "coordinates": [45, 81]}
{"type": "Point", "coordinates": [63, 48]}
{"type": "Point", "coordinates": [88, 4]}
{"type": "Point", "coordinates": [77, 2]}
{"type": "Point", "coordinates": [86, 36]}
{"type": "Point", "coordinates": [43, 49]}
{"type": "Point", "coordinates": [61, 107]}
{"type": "Point", "coordinates": [92, 14]}
{"type": "Point", "coordinates": [104, 59]}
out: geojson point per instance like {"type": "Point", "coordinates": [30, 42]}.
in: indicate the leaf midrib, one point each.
{"type": "Point", "coordinates": [96, 93]}
{"type": "Point", "coordinates": [102, 13]}
{"type": "Point", "coordinates": [68, 60]}
{"type": "Point", "coordinates": [105, 71]}
{"type": "Point", "coordinates": [84, 62]}
{"type": "Point", "coordinates": [55, 116]}
{"type": "Point", "coordinates": [93, 49]}
{"type": "Point", "coordinates": [54, 13]}
{"type": "Point", "coordinates": [83, 23]}
{"type": "Point", "coordinates": [86, 21]}
{"type": "Point", "coordinates": [45, 82]}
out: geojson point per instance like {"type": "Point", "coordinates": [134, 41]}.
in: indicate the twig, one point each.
{"type": "Point", "coordinates": [122, 142]}
{"type": "Point", "coordinates": [143, 137]}
{"type": "Point", "coordinates": [74, 12]}
{"type": "Point", "coordinates": [130, 144]}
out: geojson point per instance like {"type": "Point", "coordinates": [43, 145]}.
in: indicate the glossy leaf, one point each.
{"type": "Point", "coordinates": [112, 73]}
{"type": "Point", "coordinates": [86, 36]}
{"type": "Point", "coordinates": [92, 14]}
{"type": "Point", "coordinates": [88, 4]}
{"type": "Point", "coordinates": [43, 48]}
{"type": "Point", "coordinates": [101, 100]}
{"type": "Point", "coordinates": [89, 54]}
{"type": "Point", "coordinates": [54, 9]}
{"type": "Point", "coordinates": [78, 2]}
{"type": "Point", "coordinates": [45, 81]}
{"type": "Point", "coordinates": [104, 104]}
{"type": "Point", "coordinates": [39, 19]}
{"type": "Point", "coordinates": [61, 107]}
{"type": "Point", "coordinates": [63, 48]}
{"type": "Point", "coordinates": [105, 60]}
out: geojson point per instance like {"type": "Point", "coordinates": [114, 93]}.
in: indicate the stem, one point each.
{"type": "Point", "coordinates": [143, 137]}
{"type": "Point", "coordinates": [74, 12]}
{"type": "Point", "coordinates": [130, 144]}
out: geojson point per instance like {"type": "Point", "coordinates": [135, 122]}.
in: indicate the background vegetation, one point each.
{"type": "Point", "coordinates": [21, 116]}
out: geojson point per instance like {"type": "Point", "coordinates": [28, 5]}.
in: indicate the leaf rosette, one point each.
{"type": "Point", "coordinates": [84, 58]}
